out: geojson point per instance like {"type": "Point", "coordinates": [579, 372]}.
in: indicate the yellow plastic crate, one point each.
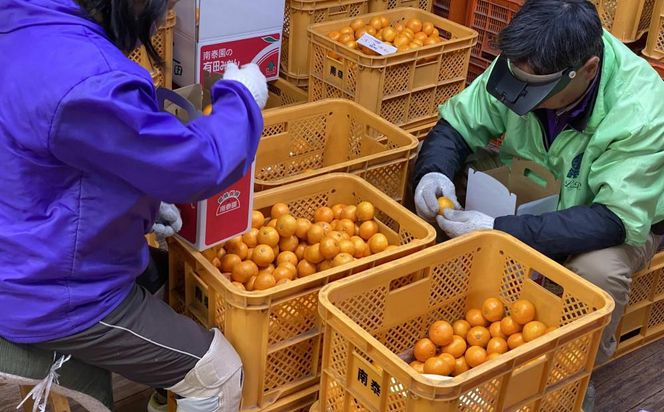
{"type": "Point", "coordinates": [404, 88]}
{"type": "Point", "coordinates": [282, 93]}
{"type": "Point", "coordinates": [335, 135]}
{"type": "Point", "coordinates": [163, 43]}
{"type": "Point", "coordinates": [277, 331]}
{"type": "Point", "coordinates": [655, 46]}
{"type": "Point", "coordinates": [643, 320]}
{"type": "Point", "coordinates": [299, 15]}
{"type": "Point", "coordinates": [371, 319]}
{"type": "Point", "coordinates": [628, 20]}
{"type": "Point", "coordinates": [380, 5]}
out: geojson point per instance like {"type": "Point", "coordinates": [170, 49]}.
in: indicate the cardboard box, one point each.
{"type": "Point", "coordinates": [210, 34]}
{"type": "Point", "coordinates": [225, 215]}
{"type": "Point", "coordinates": [525, 188]}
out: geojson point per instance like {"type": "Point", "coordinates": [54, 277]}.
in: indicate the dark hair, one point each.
{"type": "Point", "coordinates": [129, 23]}
{"type": "Point", "coordinates": [552, 35]}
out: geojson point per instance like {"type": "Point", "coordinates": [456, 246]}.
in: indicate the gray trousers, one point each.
{"type": "Point", "coordinates": [611, 269]}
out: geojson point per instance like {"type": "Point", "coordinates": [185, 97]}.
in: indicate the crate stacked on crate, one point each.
{"type": "Point", "coordinates": [643, 320]}
{"type": "Point", "coordinates": [406, 87]}
{"type": "Point", "coordinates": [163, 43]}
{"type": "Point", "coordinates": [488, 18]}
{"type": "Point", "coordinates": [654, 50]}
{"type": "Point", "coordinates": [372, 322]}
{"type": "Point", "coordinates": [277, 331]}
{"type": "Point", "coordinates": [299, 15]}
{"type": "Point", "coordinates": [334, 135]}
{"type": "Point", "coordinates": [282, 93]}
{"type": "Point", "coordinates": [628, 20]}
{"type": "Point", "coordinates": [381, 5]}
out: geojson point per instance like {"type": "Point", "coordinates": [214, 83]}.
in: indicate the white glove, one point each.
{"type": "Point", "coordinates": [459, 222]}
{"type": "Point", "coordinates": [168, 222]}
{"type": "Point", "coordinates": [431, 187]}
{"type": "Point", "coordinates": [251, 77]}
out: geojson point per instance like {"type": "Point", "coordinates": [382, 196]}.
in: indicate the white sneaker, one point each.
{"type": "Point", "coordinates": [157, 403]}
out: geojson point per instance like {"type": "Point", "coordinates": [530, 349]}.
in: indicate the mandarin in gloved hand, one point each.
{"type": "Point", "coordinates": [444, 203]}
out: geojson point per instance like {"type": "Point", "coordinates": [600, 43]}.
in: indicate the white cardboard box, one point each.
{"type": "Point", "coordinates": [526, 188]}
{"type": "Point", "coordinates": [210, 34]}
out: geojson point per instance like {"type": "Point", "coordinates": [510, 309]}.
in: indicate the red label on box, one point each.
{"type": "Point", "coordinates": [228, 213]}
{"type": "Point", "coordinates": [262, 50]}
{"type": "Point", "coordinates": [189, 214]}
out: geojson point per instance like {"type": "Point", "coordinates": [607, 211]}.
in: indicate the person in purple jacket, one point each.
{"type": "Point", "coordinates": [87, 156]}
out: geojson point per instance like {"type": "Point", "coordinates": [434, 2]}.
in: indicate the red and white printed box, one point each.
{"type": "Point", "coordinates": [210, 34]}
{"type": "Point", "coordinates": [220, 217]}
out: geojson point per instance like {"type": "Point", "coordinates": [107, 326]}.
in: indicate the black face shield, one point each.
{"type": "Point", "coordinates": [521, 91]}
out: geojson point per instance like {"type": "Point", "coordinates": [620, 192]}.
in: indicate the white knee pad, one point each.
{"type": "Point", "coordinates": [215, 383]}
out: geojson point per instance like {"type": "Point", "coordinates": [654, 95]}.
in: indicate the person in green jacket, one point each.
{"type": "Point", "coordinates": [571, 97]}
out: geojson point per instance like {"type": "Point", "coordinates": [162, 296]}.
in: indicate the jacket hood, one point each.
{"type": "Point", "coordinates": [18, 14]}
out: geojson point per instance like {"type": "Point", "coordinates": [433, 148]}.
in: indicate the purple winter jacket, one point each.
{"type": "Point", "coordinates": [85, 158]}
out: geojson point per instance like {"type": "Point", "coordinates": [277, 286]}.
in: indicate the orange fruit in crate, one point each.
{"type": "Point", "coordinates": [441, 333]}
{"type": "Point", "coordinates": [493, 309]}
{"type": "Point", "coordinates": [515, 340]}
{"type": "Point", "coordinates": [430, 41]}
{"type": "Point", "coordinates": [272, 223]}
{"type": "Point", "coordinates": [346, 226]}
{"type": "Point", "coordinates": [461, 327]}
{"type": "Point", "coordinates": [324, 265]}
{"type": "Point", "coordinates": [495, 331]}
{"type": "Point", "coordinates": [312, 254]}
{"type": "Point", "coordinates": [221, 253]}
{"type": "Point", "coordinates": [346, 37]}
{"type": "Point", "coordinates": [376, 23]}
{"type": "Point", "coordinates": [347, 246]}
{"type": "Point", "coordinates": [240, 249]}
{"type": "Point", "coordinates": [457, 347]}
{"type": "Point", "coordinates": [508, 326]}
{"type": "Point", "coordinates": [421, 36]}
{"type": "Point", "coordinates": [315, 234]}
{"type": "Point", "coordinates": [475, 356]}
{"type": "Point", "coordinates": [268, 236]}
{"type": "Point", "coordinates": [360, 246]}
{"type": "Point", "coordinates": [282, 281]}
{"type": "Point", "coordinates": [334, 35]}
{"type": "Point", "coordinates": [229, 261]}
{"type": "Point", "coordinates": [346, 30]}
{"type": "Point", "coordinates": [269, 269]}
{"type": "Point", "coordinates": [475, 318]}
{"type": "Point", "coordinates": [249, 285]}
{"type": "Point", "coordinates": [251, 238]}
{"type": "Point", "coordinates": [264, 281]}
{"type": "Point", "coordinates": [460, 366]}
{"type": "Point", "coordinates": [533, 330]}
{"type": "Point", "coordinates": [414, 24]}
{"type": "Point", "coordinates": [305, 268]}
{"type": "Point", "coordinates": [282, 272]}
{"type": "Point", "coordinates": [418, 366]}
{"type": "Point", "coordinates": [435, 33]}
{"type": "Point", "coordinates": [250, 254]}
{"type": "Point", "coordinates": [496, 345]}
{"type": "Point", "coordinates": [424, 349]}
{"type": "Point", "coordinates": [299, 251]}
{"type": "Point", "coordinates": [372, 31]}
{"type": "Point", "coordinates": [368, 229]}
{"type": "Point", "coordinates": [378, 243]}
{"type": "Point", "coordinates": [287, 257]}
{"type": "Point", "coordinates": [288, 244]}
{"type": "Point", "coordinates": [449, 359]}
{"type": "Point", "coordinates": [408, 33]}
{"type": "Point", "coordinates": [257, 219]}
{"type": "Point", "coordinates": [337, 209]}
{"type": "Point", "coordinates": [365, 211]}
{"type": "Point", "coordinates": [359, 32]}
{"type": "Point", "coordinates": [243, 271]}
{"type": "Point", "coordinates": [427, 28]}
{"type": "Point", "coordinates": [384, 21]}
{"type": "Point", "coordinates": [278, 210]}
{"type": "Point", "coordinates": [493, 356]}
{"type": "Point", "coordinates": [239, 285]}
{"type": "Point", "coordinates": [437, 366]}
{"type": "Point", "coordinates": [357, 24]}
{"type": "Point", "coordinates": [329, 248]}
{"type": "Point", "coordinates": [337, 236]}
{"type": "Point", "coordinates": [303, 226]}
{"type": "Point", "coordinates": [522, 311]}
{"type": "Point", "coordinates": [216, 262]}
{"type": "Point", "coordinates": [401, 41]}
{"type": "Point", "coordinates": [478, 336]}
{"type": "Point", "coordinates": [263, 255]}
{"type": "Point", "coordinates": [342, 259]}
{"type": "Point", "coordinates": [349, 212]}
{"type": "Point", "coordinates": [389, 34]}
{"type": "Point", "coordinates": [286, 225]}
{"type": "Point", "coordinates": [233, 242]}
{"type": "Point", "coordinates": [327, 228]}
